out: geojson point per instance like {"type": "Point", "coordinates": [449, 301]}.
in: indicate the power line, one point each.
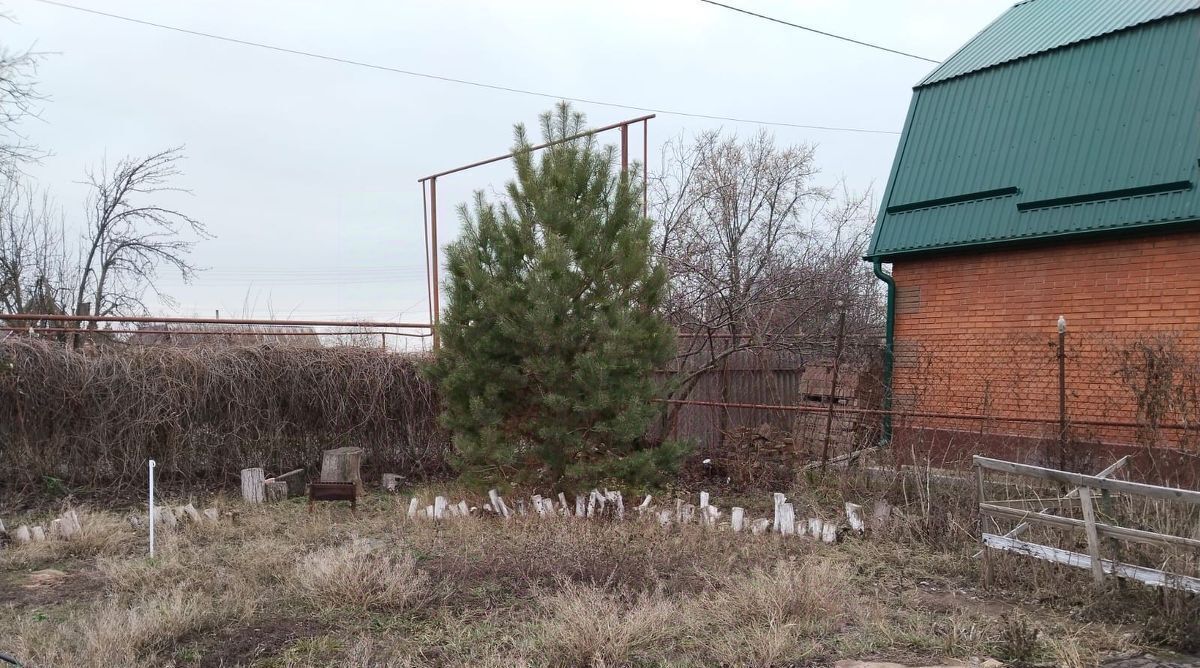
{"type": "Point", "coordinates": [465, 82]}
{"type": "Point", "coordinates": [821, 32]}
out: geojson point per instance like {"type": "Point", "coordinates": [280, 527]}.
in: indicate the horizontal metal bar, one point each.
{"type": "Point", "coordinates": [1109, 530]}
{"type": "Point", "coordinates": [1149, 576]}
{"type": "Point", "coordinates": [914, 414]}
{"type": "Point", "coordinates": [20, 317]}
{"type": "Point", "coordinates": [1155, 189]}
{"type": "Point", "coordinates": [586, 133]}
{"type": "Point", "coordinates": [1081, 480]}
{"type": "Point", "coordinates": [206, 332]}
{"type": "Point", "coordinates": [954, 199]}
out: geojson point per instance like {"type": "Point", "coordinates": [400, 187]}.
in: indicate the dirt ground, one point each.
{"type": "Point", "coordinates": [274, 587]}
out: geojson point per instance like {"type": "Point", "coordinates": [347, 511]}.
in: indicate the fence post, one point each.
{"type": "Point", "coordinates": [1062, 392]}
{"type": "Point", "coordinates": [1093, 539]}
{"type": "Point", "coordinates": [837, 358]}
{"type": "Point", "coordinates": [987, 558]}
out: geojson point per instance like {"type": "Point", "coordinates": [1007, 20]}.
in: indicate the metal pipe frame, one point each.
{"type": "Point", "coordinates": [21, 317]}
{"type": "Point", "coordinates": [431, 251]}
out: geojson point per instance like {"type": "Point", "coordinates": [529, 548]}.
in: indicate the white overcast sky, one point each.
{"type": "Point", "coordinates": [305, 171]}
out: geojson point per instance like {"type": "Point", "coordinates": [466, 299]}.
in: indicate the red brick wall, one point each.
{"type": "Point", "coordinates": [976, 333]}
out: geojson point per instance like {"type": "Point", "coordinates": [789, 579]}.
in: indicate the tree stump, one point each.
{"type": "Point", "coordinates": [275, 490]}
{"type": "Point", "coordinates": [252, 485]}
{"type": "Point", "coordinates": [342, 465]}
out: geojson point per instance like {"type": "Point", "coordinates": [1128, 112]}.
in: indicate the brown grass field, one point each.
{"type": "Point", "coordinates": [278, 587]}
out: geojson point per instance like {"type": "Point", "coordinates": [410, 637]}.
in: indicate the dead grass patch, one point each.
{"type": "Point", "coordinates": [587, 625]}
{"type": "Point", "coordinates": [357, 576]}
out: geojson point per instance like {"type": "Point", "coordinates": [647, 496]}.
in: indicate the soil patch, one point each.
{"type": "Point", "coordinates": [242, 645]}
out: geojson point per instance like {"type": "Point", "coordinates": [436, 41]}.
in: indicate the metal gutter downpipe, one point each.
{"type": "Point", "coordinates": [889, 340]}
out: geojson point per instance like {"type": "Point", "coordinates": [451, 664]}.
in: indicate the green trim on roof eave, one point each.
{"type": "Point", "coordinates": [1037, 239]}
{"type": "Point", "coordinates": [887, 191]}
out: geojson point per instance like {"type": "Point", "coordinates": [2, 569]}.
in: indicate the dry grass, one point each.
{"type": "Point", "coordinates": [102, 534]}
{"type": "Point", "coordinates": [279, 587]}
{"type": "Point", "coordinates": [357, 576]}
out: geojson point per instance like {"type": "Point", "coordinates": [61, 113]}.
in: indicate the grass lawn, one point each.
{"type": "Point", "coordinates": [274, 586]}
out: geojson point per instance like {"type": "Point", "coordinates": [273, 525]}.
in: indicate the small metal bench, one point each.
{"type": "Point", "coordinates": [332, 491]}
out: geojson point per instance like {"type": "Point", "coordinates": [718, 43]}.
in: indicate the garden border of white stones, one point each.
{"type": "Point", "coordinates": [606, 504]}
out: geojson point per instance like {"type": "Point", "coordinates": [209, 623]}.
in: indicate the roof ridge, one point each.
{"type": "Point", "coordinates": [1025, 35]}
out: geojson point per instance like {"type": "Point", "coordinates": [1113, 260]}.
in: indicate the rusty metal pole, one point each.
{"type": "Point", "coordinates": [433, 265]}
{"type": "Point", "coordinates": [645, 168]}
{"type": "Point", "coordinates": [624, 148]}
{"type": "Point", "coordinates": [1062, 392]}
{"type": "Point", "coordinates": [837, 358]}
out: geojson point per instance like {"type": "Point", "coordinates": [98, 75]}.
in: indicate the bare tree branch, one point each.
{"type": "Point", "coordinates": [127, 241]}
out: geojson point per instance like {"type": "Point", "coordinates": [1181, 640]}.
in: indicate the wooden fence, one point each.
{"type": "Point", "coordinates": [1087, 489]}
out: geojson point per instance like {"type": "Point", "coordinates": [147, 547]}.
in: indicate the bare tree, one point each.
{"type": "Point", "coordinates": [759, 256]}
{"type": "Point", "coordinates": [18, 99]}
{"type": "Point", "coordinates": [33, 267]}
{"type": "Point", "coordinates": [127, 240]}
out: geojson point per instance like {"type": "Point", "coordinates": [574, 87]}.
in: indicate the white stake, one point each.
{"type": "Point", "coordinates": [829, 532]}
{"type": "Point", "coordinates": [412, 507]}
{"type": "Point", "coordinates": [815, 526]}
{"type": "Point", "coordinates": [854, 517]}
{"type": "Point", "coordinates": [737, 518]}
{"type": "Point", "coordinates": [703, 500]}
{"type": "Point", "coordinates": [779, 499]}
{"type": "Point", "coordinates": [787, 519]}
{"type": "Point", "coordinates": [152, 518]}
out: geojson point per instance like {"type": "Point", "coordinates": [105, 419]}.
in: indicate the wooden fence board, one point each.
{"type": "Point", "coordinates": [1149, 576]}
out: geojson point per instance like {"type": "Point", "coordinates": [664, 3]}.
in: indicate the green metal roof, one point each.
{"type": "Point", "coordinates": [1100, 135]}
{"type": "Point", "coordinates": [1035, 26]}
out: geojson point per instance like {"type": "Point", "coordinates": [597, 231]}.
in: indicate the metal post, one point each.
{"type": "Point", "coordinates": [624, 148]}
{"type": "Point", "coordinates": [645, 168]}
{"type": "Point", "coordinates": [151, 515]}
{"type": "Point", "coordinates": [837, 358]}
{"type": "Point", "coordinates": [1062, 392]}
{"type": "Point", "coordinates": [433, 265]}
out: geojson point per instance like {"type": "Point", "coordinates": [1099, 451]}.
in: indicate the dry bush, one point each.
{"type": "Point", "coordinates": [587, 625]}
{"type": "Point", "coordinates": [779, 616]}
{"type": "Point", "coordinates": [93, 419]}
{"type": "Point", "coordinates": [354, 576]}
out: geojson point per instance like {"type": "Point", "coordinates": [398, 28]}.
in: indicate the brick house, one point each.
{"type": "Point", "coordinates": [1049, 167]}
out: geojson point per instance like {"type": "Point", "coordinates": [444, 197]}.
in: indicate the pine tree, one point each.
{"type": "Point", "coordinates": [551, 334]}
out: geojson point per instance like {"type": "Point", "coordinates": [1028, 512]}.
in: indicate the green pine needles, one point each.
{"type": "Point", "coordinates": [551, 334]}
